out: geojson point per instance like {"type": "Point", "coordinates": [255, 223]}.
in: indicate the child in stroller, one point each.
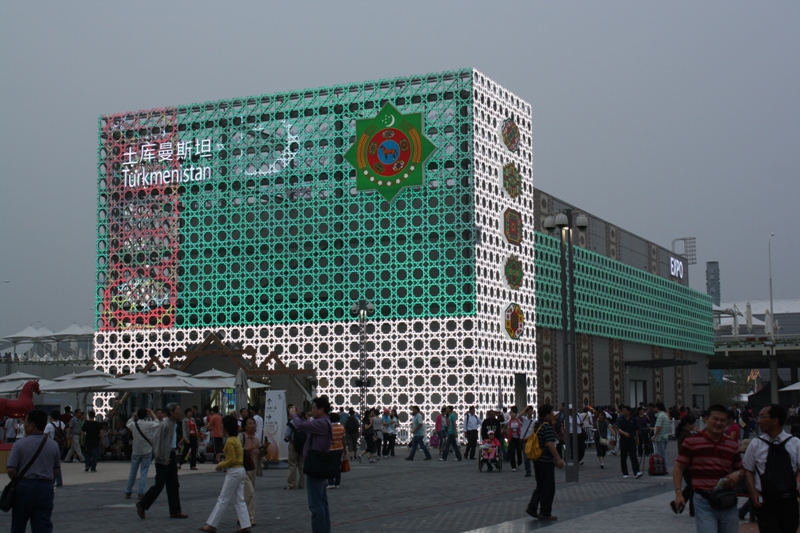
{"type": "Point", "coordinates": [490, 453]}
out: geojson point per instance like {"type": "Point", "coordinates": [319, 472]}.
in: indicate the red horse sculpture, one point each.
{"type": "Point", "coordinates": [19, 408]}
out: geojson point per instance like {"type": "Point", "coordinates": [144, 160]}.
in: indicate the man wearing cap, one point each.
{"type": "Point", "coordinates": [541, 504]}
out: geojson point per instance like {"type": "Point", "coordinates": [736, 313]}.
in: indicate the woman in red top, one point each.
{"type": "Point", "coordinates": [732, 431]}
{"type": "Point", "coordinates": [189, 439]}
{"type": "Point", "coordinates": [514, 429]}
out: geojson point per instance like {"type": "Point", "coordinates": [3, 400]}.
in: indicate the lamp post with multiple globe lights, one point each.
{"type": "Point", "coordinates": [566, 225]}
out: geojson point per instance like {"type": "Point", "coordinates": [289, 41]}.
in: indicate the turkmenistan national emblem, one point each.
{"type": "Point", "coordinates": [390, 152]}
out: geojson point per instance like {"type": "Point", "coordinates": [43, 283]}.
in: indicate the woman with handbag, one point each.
{"type": "Point", "coordinates": [318, 462]}
{"type": "Point", "coordinates": [601, 436]}
{"type": "Point", "coordinates": [369, 436]}
{"type": "Point", "coordinates": [233, 487]}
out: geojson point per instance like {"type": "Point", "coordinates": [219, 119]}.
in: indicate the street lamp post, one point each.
{"type": "Point", "coordinates": [773, 360]}
{"type": "Point", "coordinates": [565, 224]}
{"type": "Point", "coordinates": [362, 309]}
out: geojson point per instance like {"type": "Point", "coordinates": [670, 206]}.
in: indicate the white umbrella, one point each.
{"type": "Point", "coordinates": [796, 386]}
{"type": "Point", "coordinates": [157, 383]}
{"type": "Point", "coordinates": [86, 384]}
{"type": "Point", "coordinates": [164, 372]}
{"type": "Point", "coordinates": [213, 373]}
{"type": "Point", "coordinates": [93, 373]}
{"type": "Point", "coordinates": [241, 389]}
{"type": "Point", "coordinates": [217, 379]}
{"type": "Point", "coordinates": [19, 375]}
{"type": "Point", "coordinates": [15, 385]}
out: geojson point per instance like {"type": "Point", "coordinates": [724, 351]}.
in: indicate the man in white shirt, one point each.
{"type": "Point", "coordinates": [12, 427]}
{"type": "Point", "coordinates": [50, 431]}
{"type": "Point", "coordinates": [579, 431]}
{"type": "Point", "coordinates": [143, 431]}
{"type": "Point", "coordinates": [773, 492]}
{"type": "Point", "coordinates": [259, 423]}
{"type": "Point", "coordinates": [471, 426]}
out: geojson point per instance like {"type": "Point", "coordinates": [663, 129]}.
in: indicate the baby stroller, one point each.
{"type": "Point", "coordinates": [490, 457]}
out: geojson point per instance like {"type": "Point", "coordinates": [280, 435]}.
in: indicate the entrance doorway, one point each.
{"type": "Point", "coordinates": [638, 392]}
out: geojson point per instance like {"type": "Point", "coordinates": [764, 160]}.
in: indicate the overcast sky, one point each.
{"type": "Point", "coordinates": [668, 119]}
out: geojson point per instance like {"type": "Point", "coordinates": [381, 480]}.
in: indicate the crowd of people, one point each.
{"type": "Point", "coordinates": [723, 453]}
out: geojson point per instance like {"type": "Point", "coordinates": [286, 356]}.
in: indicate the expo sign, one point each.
{"type": "Point", "coordinates": [676, 268]}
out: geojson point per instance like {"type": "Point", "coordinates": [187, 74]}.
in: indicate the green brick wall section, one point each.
{"type": "Point", "coordinates": [619, 301]}
{"type": "Point", "coordinates": [278, 233]}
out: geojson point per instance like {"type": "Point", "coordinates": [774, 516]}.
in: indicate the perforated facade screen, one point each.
{"type": "Point", "coordinates": [263, 219]}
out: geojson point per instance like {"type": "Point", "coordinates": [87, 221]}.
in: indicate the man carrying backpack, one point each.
{"type": "Point", "coordinates": [351, 428]}
{"type": "Point", "coordinates": [775, 456]}
{"type": "Point", "coordinates": [297, 440]}
{"type": "Point", "coordinates": [57, 430]}
{"type": "Point", "coordinates": [541, 503]}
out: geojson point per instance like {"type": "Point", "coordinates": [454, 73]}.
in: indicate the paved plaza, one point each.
{"type": "Point", "coordinates": [391, 496]}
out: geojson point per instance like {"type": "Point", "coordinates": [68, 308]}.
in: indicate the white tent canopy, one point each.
{"type": "Point", "coordinates": [28, 334]}
{"type": "Point", "coordinates": [71, 332]}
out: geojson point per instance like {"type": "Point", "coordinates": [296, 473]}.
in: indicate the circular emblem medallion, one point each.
{"type": "Point", "coordinates": [389, 152]}
{"type": "Point", "coordinates": [510, 133]}
{"type": "Point", "coordinates": [512, 181]}
{"type": "Point", "coordinates": [514, 272]}
{"type": "Point", "coordinates": [514, 321]}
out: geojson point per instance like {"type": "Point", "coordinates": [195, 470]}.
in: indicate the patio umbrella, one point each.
{"type": "Point", "coordinates": [13, 386]}
{"type": "Point", "coordinates": [217, 379]}
{"type": "Point", "coordinates": [164, 372]}
{"type": "Point", "coordinates": [148, 382]}
{"type": "Point", "coordinates": [92, 373]}
{"type": "Point", "coordinates": [19, 375]}
{"type": "Point", "coordinates": [87, 384]}
{"type": "Point", "coordinates": [240, 384]}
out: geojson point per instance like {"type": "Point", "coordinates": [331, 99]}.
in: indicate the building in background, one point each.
{"type": "Point", "coordinates": [712, 282]}
{"type": "Point", "coordinates": [262, 220]}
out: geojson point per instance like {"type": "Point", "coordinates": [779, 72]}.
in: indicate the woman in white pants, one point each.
{"type": "Point", "coordinates": [233, 488]}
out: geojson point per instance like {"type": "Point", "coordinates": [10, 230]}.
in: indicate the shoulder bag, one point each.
{"type": "Point", "coordinates": [7, 498]}
{"type": "Point", "coordinates": [247, 458]}
{"type": "Point", "coordinates": [324, 465]}
{"type": "Point", "coordinates": [602, 439]}
{"type": "Point", "coordinates": [719, 499]}
{"type": "Point", "coordinates": [136, 423]}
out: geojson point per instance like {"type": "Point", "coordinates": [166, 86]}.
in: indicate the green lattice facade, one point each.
{"type": "Point", "coordinates": [618, 301]}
